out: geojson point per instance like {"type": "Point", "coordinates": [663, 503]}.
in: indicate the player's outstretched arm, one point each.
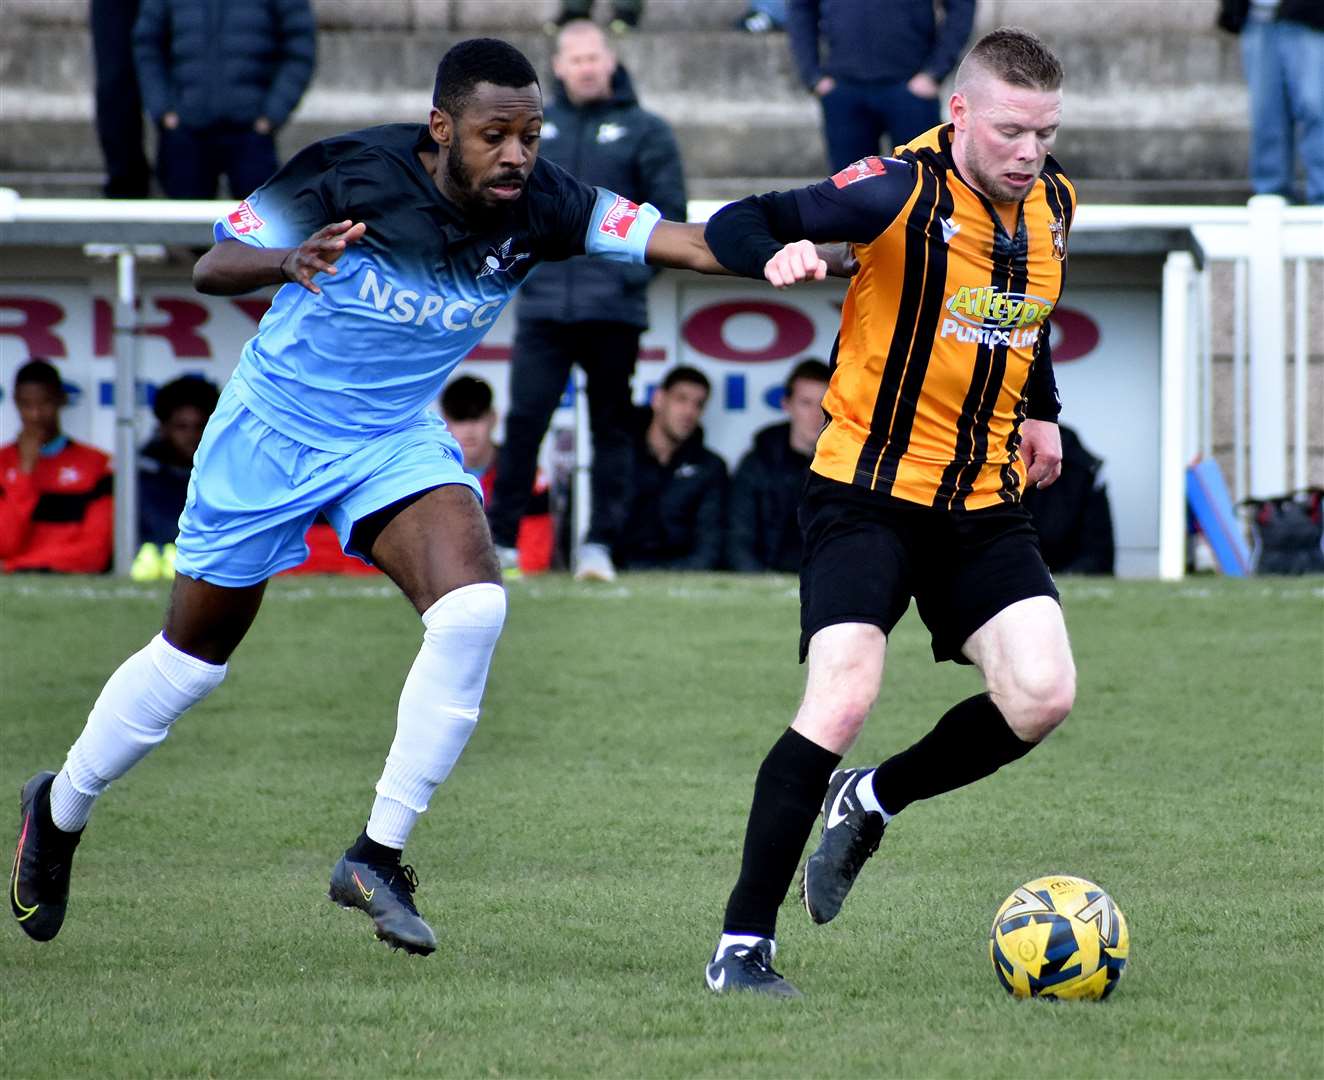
{"type": "Point", "coordinates": [232, 267]}
{"type": "Point", "coordinates": [682, 247]}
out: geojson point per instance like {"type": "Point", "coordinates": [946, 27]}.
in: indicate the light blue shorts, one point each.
{"type": "Point", "coordinates": [254, 492]}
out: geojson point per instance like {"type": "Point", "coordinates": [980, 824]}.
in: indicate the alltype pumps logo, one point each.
{"type": "Point", "coordinates": [986, 316]}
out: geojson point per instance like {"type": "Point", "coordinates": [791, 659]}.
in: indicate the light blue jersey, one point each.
{"type": "Point", "coordinates": [414, 296]}
{"type": "Point", "coordinates": [327, 411]}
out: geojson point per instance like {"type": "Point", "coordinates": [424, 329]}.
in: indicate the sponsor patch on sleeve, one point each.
{"type": "Point", "coordinates": [620, 218]}
{"type": "Point", "coordinates": [244, 220]}
{"type": "Point", "coordinates": [860, 170]}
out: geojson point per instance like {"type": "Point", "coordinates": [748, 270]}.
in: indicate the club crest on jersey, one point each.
{"type": "Point", "coordinates": [620, 219]}
{"type": "Point", "coordinates": [499, 259]}
{"type": "Point", "coordinates": [860, 170]}
{"type": "Point", "coordinates": [244, 220]}
{"type": "Point", "coordinates": [1058, 231]}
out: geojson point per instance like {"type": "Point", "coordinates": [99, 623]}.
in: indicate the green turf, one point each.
{"type": "Point", "coordinates": [576, 863]}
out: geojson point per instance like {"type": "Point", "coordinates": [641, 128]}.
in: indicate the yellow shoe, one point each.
{"type": "Point", "coordinates": [167, 561]}
{"type": "Point", "coordinates": [146, 564]}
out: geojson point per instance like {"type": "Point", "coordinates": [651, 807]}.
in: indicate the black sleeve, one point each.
{"type": "Point", "coordinates": [855, 205]}
{"type": "Point", "coordinates": [1041, 400]}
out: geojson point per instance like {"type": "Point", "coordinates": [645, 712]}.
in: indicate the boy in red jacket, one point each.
{"type": "Point", "coordinates": [55, 504]}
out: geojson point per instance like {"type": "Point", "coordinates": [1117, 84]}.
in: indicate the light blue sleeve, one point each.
{"type": "Point", "coordinates": [619, 229]}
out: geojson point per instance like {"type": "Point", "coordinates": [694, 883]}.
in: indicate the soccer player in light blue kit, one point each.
{"type": "Point", "coordinates": [397, 247]}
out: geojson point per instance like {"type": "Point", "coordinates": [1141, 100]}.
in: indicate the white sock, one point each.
{"type": "Point", "coordinates": [865, 793]}
{"type": "Point", "coordinates": [727, 941]}
{"type": "Point", "coordinates": [438, 706]}
{"type": "Point", "coordinates": [147, 693]}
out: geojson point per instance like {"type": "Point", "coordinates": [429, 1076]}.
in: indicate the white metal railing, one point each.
{"type": "Point", "coordinates": [1257, 239]}
{"type": "Point", "coordinates": [1268, 240]}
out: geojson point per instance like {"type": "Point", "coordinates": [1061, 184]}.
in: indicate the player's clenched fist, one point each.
{"type": "Point", "coordinates": [320, 252]}
{"type": "Point", "coordinates": [799, 261]}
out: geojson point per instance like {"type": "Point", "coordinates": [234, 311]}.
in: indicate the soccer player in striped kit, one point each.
{"type": "Point", "coordinates": [941, 409]}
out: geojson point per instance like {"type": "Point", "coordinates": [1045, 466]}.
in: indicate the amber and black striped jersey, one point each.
{"type": "Point", "coordinates": [941, 325]}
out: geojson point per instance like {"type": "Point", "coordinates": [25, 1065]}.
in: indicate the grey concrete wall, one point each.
{"type": "Point", "coordinates": [1155, 103]}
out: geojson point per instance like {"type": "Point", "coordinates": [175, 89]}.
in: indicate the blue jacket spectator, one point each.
{"type": "Point", "coordinates": [883, 42]}
{"type": "Point", "coordinates": [224, 61]}
{"type": "Point", "coordinates": [875, 67]}
{"type": "Point", "coordinates": [219, 77]}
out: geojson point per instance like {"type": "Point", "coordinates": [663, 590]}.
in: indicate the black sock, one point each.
{"type": "Point", "coordinates": [971, 741]}
{"type": "Point", "coordinates": [365, 849]}
{"type": "Point", "coordinates": [788, 794]}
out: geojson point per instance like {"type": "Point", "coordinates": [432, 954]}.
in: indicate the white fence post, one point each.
{"type": "Point", "coordinates": [1178, 274]}
{"type": "Point", "coordinates": [1268, 359]}
{"type": "Point", "coordinates": [126, 405]}
{"type": "Point", "coordinates": [1300, 373]}
{"type": "Point", "coordinates": [582, 485]}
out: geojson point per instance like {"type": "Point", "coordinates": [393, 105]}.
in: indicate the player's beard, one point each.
{"type": "Point", "coordinates": [992, 185]}
{"type": "Point", "coordinates": [472, 202]}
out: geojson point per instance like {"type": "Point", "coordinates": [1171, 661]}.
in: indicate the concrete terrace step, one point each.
{"type": "Point", "coordinates": [1041, 16]}
{"type": "Point", "coordinates": [1150, 100]}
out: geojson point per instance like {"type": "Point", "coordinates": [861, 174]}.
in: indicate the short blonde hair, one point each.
{"type": "Point", "coordinates": [1013, 56]}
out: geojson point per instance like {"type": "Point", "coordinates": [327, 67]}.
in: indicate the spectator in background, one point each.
{"type": "Point", "coordinates": [763, 530]}
{"type": "Point", "coordinates": [1073, 518]}
{"type": "Point", "coordinates": [466, 406]}
{"type": "Point", "coordinates": [55, 502]}
{"type": "Point", "coordinates": [625, 14]}
{"type": "Point", "coordinates": [182, 407]}
{"type": "Point", "coordinates": [674, 519]}
{"type": "Point", "coordinates": [1282, 52]}
{"type": "Point", "coordinates": [220, 78]}
{"type": "Point", "coordinates": [586, 311]}
{"type": "Point", "coordinates": [119, 104]}
{"type": "Point", "coordinates": [882, 67]}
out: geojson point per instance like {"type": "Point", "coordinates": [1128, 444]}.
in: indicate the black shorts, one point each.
{"type": "Point", "coordinates": [866, 555]}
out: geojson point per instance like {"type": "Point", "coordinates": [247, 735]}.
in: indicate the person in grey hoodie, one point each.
{"type": "Point", "coordinates": [219, 78]}
{"type": "Point", "coordinates": [586, 312]}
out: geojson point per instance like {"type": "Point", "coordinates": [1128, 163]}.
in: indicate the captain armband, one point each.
{"type": "Point", "coordinates": [619, 229]}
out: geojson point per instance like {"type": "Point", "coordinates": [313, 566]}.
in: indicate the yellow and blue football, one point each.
{"type": "Point", "coordinates": [1059, 937]}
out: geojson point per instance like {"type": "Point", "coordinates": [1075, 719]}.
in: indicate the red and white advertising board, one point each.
{"type": "Point", "coordinates": [746, 337]}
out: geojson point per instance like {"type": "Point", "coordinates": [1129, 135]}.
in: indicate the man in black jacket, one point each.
{"type": "Point", "coordinates": [586, 312]}
{"type": "Point", "coordinates": [1282, 51]}
{"type": "Point", "coordinates": [763, 532]}
{"type": "Point", "coordinates": [674, 518]}
{"type": "Point", "coordinates": [879, 68]}
{"type": "Point", "coordinates": [219, 77]}
{"type": "Point", "coordinates": [1073, 518]}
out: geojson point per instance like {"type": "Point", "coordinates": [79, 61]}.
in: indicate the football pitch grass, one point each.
{"type": "Point", "coordinates": [576, 863]}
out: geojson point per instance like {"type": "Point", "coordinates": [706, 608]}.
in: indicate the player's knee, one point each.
{"type": "Point", "coordinates": [1038, 705]}
{"type": "Point", "coordinates": [477, 610]}
{"type": "Point", "coordinates": [835, 720]}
